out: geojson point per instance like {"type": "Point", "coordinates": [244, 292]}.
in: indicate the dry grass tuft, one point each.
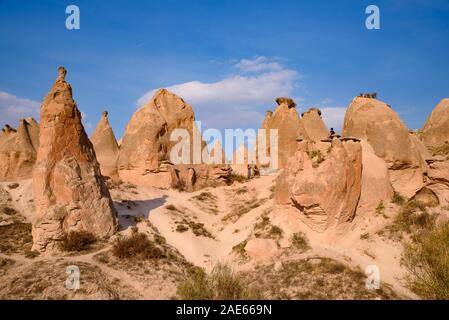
{"type": "Point", "coordinates": [222, 283]}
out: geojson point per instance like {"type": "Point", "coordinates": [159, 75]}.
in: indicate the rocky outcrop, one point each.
{"type": "Point", "coordinates": [69, 191]}
{"type": "Point", "coordinates": [18, 150]}
{"type": "Point", "coordinates": [376, 185]}
{"type": "Point", "coordinates": [286, 120]}
{"type": "Point", "coordinates": [314, 124]}
{"type": "Point", "coordinates": [106, 147]}
{"type": "Point", "coordinates": [436, 128]}
{"type": "Point", "coordinates": [240, 160]}
{"type": "Point", "coordinates": [326, 194]}
{"type": "Point", "coordinates": [146, 151]}
{"type": "Point", "coordinates": [376, 123]}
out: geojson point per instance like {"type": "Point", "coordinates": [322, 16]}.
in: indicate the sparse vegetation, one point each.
{"type": "Point", "coordinates": [426, 258]}
{"type": "Point", "coordinates": [380, 209]}
{"type": "Point", "coordinates": [235, 177]}
{"type": "Point", "coordinates": [398, 198]}
{"type": "Point", "coordinates": [181, 228]}
{"type": "Point", "coordinates": [8, 211]}
{"type": "Point", "coordinates": [179, 185]}
{"type": "Point", "coordinates": [204, 196]}
{"type": "Point", "coordinates": [412, 216]}
{"type": "Point", "coordinates": [171, 207]}
{"type": "Point", "coordinates": [240, 248]}
{"type": "Point", "coordinates": [221, 284]}
{"type": "Point", "coordinates": [440, 150]}
{"type": "Point", "coordinates": [197, 228]}
{"type": "Point", "coordinates": [15, 238]}
{"type": "Point", "coordinates": [364, 236]}
{"type": "Point", "coordinates": [136, 245]}
{"type": "Point", "coordinates": [313, 278]}
{"type": "Point", "coordinates": [244, 208]}
{"type": "Point", "coordinates": [300, 241]}
{"type": "Point", "coordinates": [76, 241]}
{"type": "Point", "coordinates": [317, 157]}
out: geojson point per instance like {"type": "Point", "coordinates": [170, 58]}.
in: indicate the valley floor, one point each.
{"type": "Point", "coordinates": [270, 248]}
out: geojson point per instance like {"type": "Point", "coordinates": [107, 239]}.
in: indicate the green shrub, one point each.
{"type": "Point", "coordinates": [300, 241]}
{"type": "Point", "coordinates": [136, 245]}
{"type": "Point", "coordinates": [221, 284]}
{"type": "Point", "coordinates": [380, 209]}
{"type": "Point", "coordinates": [398, 198]}
{"type": "Point", "coordinates": [235, 177]}
{"type": "Point", "coordinates": [77, 241]}
{"type": "Point", "coordinates": [427, 260]}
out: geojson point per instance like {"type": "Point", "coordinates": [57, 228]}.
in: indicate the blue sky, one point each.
{"type": "Point", "coordinates": [229, 59]}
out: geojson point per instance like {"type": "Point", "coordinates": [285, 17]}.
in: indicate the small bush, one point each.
{"type": "Point", "coordinates": [380, 209]}
{"type": "Point", "coordinates": [235, 177]}
{"type": "Point", "coordinates": [427, 260]}
{"type": "Point", "coordinates": [136, 245]}
{"type": "Point", "coordinates": [181, 228]}
{"type": "Point", "coordinates": [276, 231]}
{"type": "Point", "coordinates": [8, 211]}
{"type": "Point", "coordinates": [317, 157]}
{"type": "Point", "coordinates": [171, 207]}
{"type": "Point", "coordinates": [300, 241]}
{"type": "Point", "coordinates": [441, 150]}
{"type": "Point", "coordinates": [77, 241]}
{"type": "Point", "coordinates": [221, 284]}
{"type": "Point", "coordinates": [413, 215]}
{"type": "Point", "coordinates": [203, 196]}
{"type": "Point", "coordinates": [398, 198]}
{"type": "Point", "coordinates": [364, 236]}
{"type": "Point", "coordinates": [240, 248]}
{"type": "Point", "coordinates": [179, 185]}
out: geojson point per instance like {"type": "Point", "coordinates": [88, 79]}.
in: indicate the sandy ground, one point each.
{"type": "Point", "coordinates": [214, 222]}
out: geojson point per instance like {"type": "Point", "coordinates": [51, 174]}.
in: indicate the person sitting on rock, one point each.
{"type": "Point", "coordinates": [256, 171]}
{"type": "Point", "coordinates": [331, 133]}
{"type": "Point", "coordinates": [249, 171]}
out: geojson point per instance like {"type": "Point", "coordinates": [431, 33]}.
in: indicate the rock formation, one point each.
{"type": "Point", "coordinates": [145, 152]}
{"type": "Point", "coordinates": [436, 128]}
{"type": "Point", "coordinates": [18, 150]}
{"type": "Point", "coordinates": [106, 147]}
{"type": "Point", "coordinates": [69, 191]}
{"type": "Point", "coordinates": [286, 120]}
{"type": "Point", "coordinates": [326, 194]}
{"type": "Point", "coordinates": [240, 160]}
{"type": "Point", "coordinates": [376, 123]}
{"type": "Point", "coordinates": [314, 125]}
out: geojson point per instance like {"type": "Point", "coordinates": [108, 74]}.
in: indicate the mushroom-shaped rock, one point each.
{"type": "Point", "coordinates": [69, 191]}
{"type": "Point", "coordinates": [289, 126]}
{"type": "Point", "coordinates": [314, 124]}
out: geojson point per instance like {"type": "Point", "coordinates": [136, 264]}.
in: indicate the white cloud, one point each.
{"type": "Point", "coordinates": [238, 100]}
{"type": "Point", "coordinates": [13, 108]}
{"type": "Point", "coordinates": [333, 117]}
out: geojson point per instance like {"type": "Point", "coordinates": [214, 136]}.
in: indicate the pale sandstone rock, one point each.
{"type": "Point", "coordinates": [106, 147]}
{"type": "Point", "coordinates": [325, 195]}
{"type": "Point", "coordinates": [261, 249]}
{"type": "Point", "coordinates": [314, 125]}
{"type": "Point", "coordinates": [286, 120]}
{"type": "Point", "coordinates": [69, 191]}
{"type": "Point", "coordinates": [436, 128]}
{"type": "Point", "coordinates": [240, 160]}
{"type": "Point", "coordinates": [376, 185]}
{"type": "Point", "coordinates": [145, 152]}
{"type": "Point", "coordinates": [381, 127]}
{"type": "Point", "coordinates": [18, 150]}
